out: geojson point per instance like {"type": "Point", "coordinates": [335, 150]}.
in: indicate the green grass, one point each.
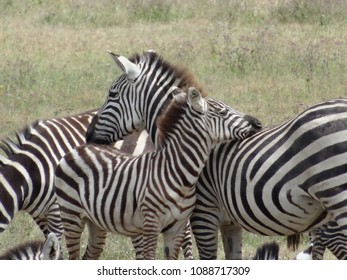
{"type": "Point", "coordinates": [265, 59]}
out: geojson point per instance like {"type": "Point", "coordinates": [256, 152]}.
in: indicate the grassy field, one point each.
{"type": "Point", "coordinates": [267, 58]}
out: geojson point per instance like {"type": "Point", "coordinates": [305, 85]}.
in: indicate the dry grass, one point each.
{"type": "Point", "coordinates": [269, 58]}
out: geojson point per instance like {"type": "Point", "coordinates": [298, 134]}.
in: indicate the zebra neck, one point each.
{"type": "Point", "coordinates": [185, 161]}
{"type": "Point", "coordinates": [153, 106]}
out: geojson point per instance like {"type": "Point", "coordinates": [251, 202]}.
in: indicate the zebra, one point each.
{"type": "Point", "coordinates": [293, 164]}
{"type": "Point", "coordinates": [49, 249]}
{"type": "Point", "coordinates": [28, 166]}
{"type": "Point", "coordinates": [150, 193]}
{"type": "Point", "coordinates": [327, 236]}
{"type": "Point", "coordinates": [225, 197]}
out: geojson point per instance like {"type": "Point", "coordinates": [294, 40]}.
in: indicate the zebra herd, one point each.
{"type": "Point", "coordinates": [283, 180]}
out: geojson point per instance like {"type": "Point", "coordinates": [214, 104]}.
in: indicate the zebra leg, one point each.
{"type": "Point", "coordinates": [173, 239]}
{"type": "Point", "coordinates": [151, 231]}
{"type": "Point", "coordinates": [205, 230]}
{"type": "Point", "coordinates": [334, 240]}
{"type": "Point", "coordinates": [73, 227]}
{"type": "Point", "coordinates": [318, 248]}
{"type": "Point", "coordinates": [49, 221]}
{"type": "Point", "coordinates": [150, 241]}
{"type": "Point", "coordinates": [335, 203]}
{"type": "Point", "coordinates": [54, 220]}
{"type": "Point", "coordinates": [42, 224]}
{"type": "Point", "coordinates": [138, 246]}
{"type": "Point", "coordinates": [187, 243]}
{"type": "Point", "coordinates": [96, 242]}
{"type": "Point", "coordinates": [232, 241]}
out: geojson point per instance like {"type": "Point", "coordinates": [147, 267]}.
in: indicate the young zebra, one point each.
{"type": "Point", "coordinates": [281, 181]}
{"type": "Point", "coordinates": [114, 192]}
{"type": "Point", "coordinates": [35, 250]}
{"type": "Point", "coordinates": [26, 174]}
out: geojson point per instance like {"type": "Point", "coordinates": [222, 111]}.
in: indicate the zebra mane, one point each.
{"type": "Point", "coordinates": [170, 116]}
{"type": "Point", "coordinates": [10, 147]}
{"type": "Point", "coordinates": [180, 72]}
{"type": "Point", "coordinates": [35, 245]}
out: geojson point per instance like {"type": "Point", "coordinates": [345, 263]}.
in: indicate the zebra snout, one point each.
{"type": "Point", "coordinates": [254, 122]}
{"type": "Point", "coordinates": [90, 130]}
{"type": "Point", "coordinates": [90, 137]}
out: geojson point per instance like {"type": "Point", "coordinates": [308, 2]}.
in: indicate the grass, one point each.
{"type": "Point", "coordinates": [269, 59]}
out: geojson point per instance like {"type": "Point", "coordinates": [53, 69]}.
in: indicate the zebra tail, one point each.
{"type": "Point", "coordinates": [268, 251]}
{"type": "Point", "coordinates": [293, 241]}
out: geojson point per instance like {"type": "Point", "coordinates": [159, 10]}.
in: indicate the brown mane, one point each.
{"type": "Point", "coordinates": [9, 146]}
{"type": "Point", "coordinates": [170, 116]}
{"type": "Point", "coordinates": [12, 253]}
{"type": "Point", "coordinates": [180, 72]}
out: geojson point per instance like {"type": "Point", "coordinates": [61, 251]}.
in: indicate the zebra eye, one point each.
{"type": "Point", "coordinates": [223, 112]}
{"type": "Point", "coordinates": [113, 94]}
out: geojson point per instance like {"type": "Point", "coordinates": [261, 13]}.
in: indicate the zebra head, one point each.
{"type": "Point", "coordinates": [220, 121]}
{"type": "Point", "coordinates": [136, 98]}
{"type": "Point", "coordinates": [120, 115]}
{"type": "Point", "coordinates": [51, 249]}
{"type": "Point", "coordinates": [224, 123]}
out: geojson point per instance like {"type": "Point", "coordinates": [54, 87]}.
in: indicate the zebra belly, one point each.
{"type": "Point", "coordinates": [113, 211]}
{"type": "Point", "coordinates": [119, 224]}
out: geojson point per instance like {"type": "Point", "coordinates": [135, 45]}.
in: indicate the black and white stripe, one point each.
{"type": "Point", "coordinates": [148, 194]}
{"type": "Point", "coordinates": [49, 249]}
{"type": "Point", "coordinates": [26, 174]}
{"type": "Point", "coordinates": [142, 92]}
{"type": "Point", "coordinates": [328, 236]}
{"type": "Point", "coordinates": [282, 181]}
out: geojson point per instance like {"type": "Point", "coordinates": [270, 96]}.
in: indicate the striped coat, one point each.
{"type": "Point", "coordinates": [232, 191]}
{"type": "Point", "coordinates": [148, 194]}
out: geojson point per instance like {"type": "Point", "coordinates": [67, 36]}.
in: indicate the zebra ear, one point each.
{"type": "Point", "coordinates": [175, 91]}
{"type": "Point", "coordinates": [195, 98]}
{"type": "Point", "coordinates": [129, 68]}
{"type": "Point", "coordinates": [51, 248]}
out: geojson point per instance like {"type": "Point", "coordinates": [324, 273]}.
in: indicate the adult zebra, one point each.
{"type": "Point", "coordinates": [49, 249]}
{"type": "Point", "coordinates": [150, 193]}
{"type": "Point", "coordinates": [231, 192]}
{"type": "Point", "coordinates": [26, 174]}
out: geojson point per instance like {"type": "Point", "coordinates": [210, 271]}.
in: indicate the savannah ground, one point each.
{"type": "Point", "coordinates": [267, 58]}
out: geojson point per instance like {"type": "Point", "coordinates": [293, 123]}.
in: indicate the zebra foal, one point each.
{"type": "Point", "coordinates": [281, 181]}
{"type": "Point", "coordinates": [114, 192]}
